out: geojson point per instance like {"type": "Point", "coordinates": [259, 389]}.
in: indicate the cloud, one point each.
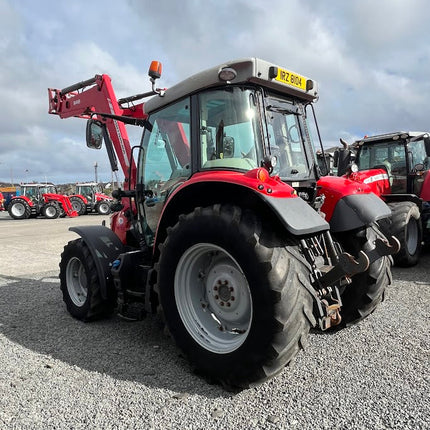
{"type": "Point", "coordinates": [371, 60]}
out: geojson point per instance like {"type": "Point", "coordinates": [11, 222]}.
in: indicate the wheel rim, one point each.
{"type": "Point", "coordinates": [104, 208]}
{"type": "Point", "coordinates": [76, 206]}
{"type": "Point", "coordinates": [213, 298]}
{"type": "Point", "coordinates": [50, 212]}
{"type": "Point", "coordinates": [76, 280]}
{"type": "Point", "coordinates": [18, 209]}
{"type": "Point", "coordinates": [412, 236]}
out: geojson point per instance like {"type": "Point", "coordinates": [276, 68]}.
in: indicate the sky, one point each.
{"type": "Point", "coordinates": [371, 59]}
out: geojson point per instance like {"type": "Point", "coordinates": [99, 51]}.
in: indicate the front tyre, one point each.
{"type": "Point", "coordinates": [406, 226]}
{"type": "Point", "coordinates": [232, 295]}
{"type": "Point", "coordinates": [80, 285]}
{"type": "Point", "coordinates": [51, 210]}
{"type": "Point", "coordinates": [103, 207]}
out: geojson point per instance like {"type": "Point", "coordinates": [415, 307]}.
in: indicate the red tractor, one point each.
{"type": "Point", "coordinates": [220, 228]}
{"type": "Point", "coordinates": [2, 202]}
{"type": "Point", "coordinates": [396, 166]}
{"type": "Point", "coordinates": [40, 199]}
{"type": "Point", "coordinates": [89, 197]}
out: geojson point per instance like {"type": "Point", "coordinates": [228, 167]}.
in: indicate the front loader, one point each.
{"type": "Point", "coordinates": [220, 228]}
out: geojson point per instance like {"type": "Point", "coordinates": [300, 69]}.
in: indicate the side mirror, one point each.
{"type": "Point", "coordinates": [427, 145]}
{"type": "Point", "coordinates": [94, 134]}
{"type": "Point", "coordinates": [335, 158]}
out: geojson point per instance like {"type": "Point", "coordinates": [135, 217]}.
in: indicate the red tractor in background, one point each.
{"type": "Point", "coordinates": [2, 202]}
{"type": "Point", "coordinates": [89, 197]}
{"type": "Point", "coordinates": [40, 199]}
{"type": "Point", "coordinates": [396, 166]}
{"type": "Point", "coordinates": [220, 228]}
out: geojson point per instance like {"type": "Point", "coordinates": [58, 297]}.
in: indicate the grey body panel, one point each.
{"type": "Point", "coordinates": [297, 216]}
{"type": "Point", "coordinates": [357, 210]}
{"type": "Point", "coordinates": [248, 70]}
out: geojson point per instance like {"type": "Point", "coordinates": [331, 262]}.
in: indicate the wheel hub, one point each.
{"type": "Point", "coordinates": [213, 298]}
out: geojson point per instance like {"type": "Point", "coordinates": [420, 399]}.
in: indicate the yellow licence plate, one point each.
{"type": "Point", "coordinates": [293, 79]}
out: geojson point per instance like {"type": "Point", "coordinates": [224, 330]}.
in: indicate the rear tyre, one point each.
{"type": "Point", "coordinates": [78, 205]}
{"type": "Point", "coordinates": [19, 209]}
{"type": "Point", "coordinates": [367, 289]}
{"type": "Point", "coordinates": [406, 226]}
{"type": "Point", "coordinates": [80, 284]}
{"type": "Point", "coordinates": [232, 295]}
{"type": "Point", "coordinates": [103, 207]}
{"type": "Point", "coordinates": [51, 210]}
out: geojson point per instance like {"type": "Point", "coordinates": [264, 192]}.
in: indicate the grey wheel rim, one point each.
{"type": "Point", "coordinates": [104, 208]}
{"type": "Point", "coordinates": [18, 209]}
{"type": "Point", "coordinates": [213, 298]}
{"type": "Point", "coordinates": [50, 212]}
{"type": "Point", "coordinates": [76, 280]}
{"type": "Point", "coordinates": [77, 206]}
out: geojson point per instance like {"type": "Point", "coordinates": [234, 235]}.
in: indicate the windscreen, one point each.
{"type": "Point", "coordinates": [230, 132]}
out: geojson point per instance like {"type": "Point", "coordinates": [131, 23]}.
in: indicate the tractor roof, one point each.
{"type": "Point", "coordinates": [243, 71]}
{"type": "Point", "coordinates": [389, 136]}
{"type": "Point", "coordinates": [35, 184]}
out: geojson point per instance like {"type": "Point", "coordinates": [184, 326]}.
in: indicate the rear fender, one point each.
{"type": "Point", "coordinates": [349, 204]}
{"type": "Point", "coordinates": [105, 247]}
{"type": "Point", "coordinates": [272, 197]}
{"type": "Point", "coordinates": [358, 210]}
{"type": "Point", "coordinates": [23, 198]}
{"type": "Point", "coordinates": [83, 198]}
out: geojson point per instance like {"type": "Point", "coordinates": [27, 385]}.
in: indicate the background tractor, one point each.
{"type": "Point", "coordinates": [396, 166]}
{"type": "Point", "coordinates": [220, 227]}
{"type": "Point", "coordinates": [39, 199]}
{"type": "Point", "coordinates": [89, 197]}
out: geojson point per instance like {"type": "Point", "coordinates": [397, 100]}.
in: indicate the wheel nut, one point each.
{"type": "Point", "coordinates": [216, 297]}
{"type": "Point", "coordinates": [215, 288]}
{"type": "Point", "coordinates": [221, 303]}
{"type": "Point", "coordinates": [232, 298]}
{"type": "Point", "coordinates": [228, 304]}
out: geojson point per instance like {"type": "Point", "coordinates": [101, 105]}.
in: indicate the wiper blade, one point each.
{"type": "Point", "coordinates": [279, 109]}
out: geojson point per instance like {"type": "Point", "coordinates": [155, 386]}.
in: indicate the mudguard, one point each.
{"type": "Point", "coordinates": [104, 246]}
{"type": "Point", "coordinates": [296, 215]}
{"type": "Point", "coordinates": [358, 210]}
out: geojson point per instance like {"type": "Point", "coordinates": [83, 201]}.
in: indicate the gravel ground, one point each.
{"type": "Point", "coordinates": [59, 373]}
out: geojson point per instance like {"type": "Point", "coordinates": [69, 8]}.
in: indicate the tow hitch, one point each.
{"type": "Point", "coordinates": [325, 287]}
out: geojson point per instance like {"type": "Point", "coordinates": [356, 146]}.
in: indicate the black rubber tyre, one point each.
{"type": "Point", "coordinates": [19, 209]}
{"type": "Point", "coordinates": [51, 210]}
{"type": "Point", "coordinates": [78, 205]}
{"type": "Point", "coordinates": [232, 295]}
{"type": "Point", "coordinates": [80, 285]}
{"type": "Point", "coordinates": [103, 207]}
{"type": "Point", "coordinates": [407, 227]}
{"type": "Point", "coordinates": [367, 290]}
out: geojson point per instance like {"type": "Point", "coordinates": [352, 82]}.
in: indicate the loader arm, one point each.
{"type": "Point", "coordinates": [90, 99]}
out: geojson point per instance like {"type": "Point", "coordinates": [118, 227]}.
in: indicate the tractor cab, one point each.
{"type": "Point", "coordinates": [244, 117]}
{"type": "Point", "coordinates": [405, 157]}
